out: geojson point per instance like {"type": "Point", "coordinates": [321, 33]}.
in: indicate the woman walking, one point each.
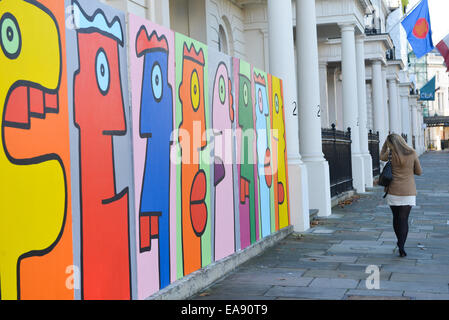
{"type": "Point", "coordinates": [401, 193]}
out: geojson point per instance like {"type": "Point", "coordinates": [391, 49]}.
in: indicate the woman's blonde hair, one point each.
{"type": "Point", "coordinates": [399, 148]}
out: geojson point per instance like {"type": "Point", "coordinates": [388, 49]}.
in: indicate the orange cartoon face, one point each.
{"type": "Point", "coordinates": [192, 97]}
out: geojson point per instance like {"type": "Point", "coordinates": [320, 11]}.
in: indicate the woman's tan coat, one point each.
{"type": "Point", "coordinates": [403, 183]}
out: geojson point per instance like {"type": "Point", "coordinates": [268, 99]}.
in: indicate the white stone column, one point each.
{"type": "Point", "coordinates": [394, 116]}
{"type": "Point", "coordinates": [399, 108]}
{"type": "Point", "coordinates": [421, 132]}
{"type": "Point", "coordinates": [324, 96]}
{"type": "Point", "coordinates": [378, 101]}
{"type": "Point", "coordinates": [405, 112]}
{"type": "Point", "coordinates": [415, 124]}
{"type": "Point", "coordinates": [350, 102]}
{"type": "Point", "coordinates": [309, 107]}
{"type": "Point", "coordinates": [159, 12]}
{"type": "Point", "coordinates": [361, 94]}
{"type": "Point", "coordinates": [386, 104]}
{"type": "Point", "coordinates": [282, 58]}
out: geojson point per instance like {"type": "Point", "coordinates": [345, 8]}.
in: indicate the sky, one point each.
{"type": "Point", "coordinates": [439, 18]}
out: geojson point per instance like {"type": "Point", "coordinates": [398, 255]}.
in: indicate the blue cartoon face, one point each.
{"type": "Point", "coordinates": [157, 99]}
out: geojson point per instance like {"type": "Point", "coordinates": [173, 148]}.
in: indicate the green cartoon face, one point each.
{"type": "Point", "coordinates": [246, 119]}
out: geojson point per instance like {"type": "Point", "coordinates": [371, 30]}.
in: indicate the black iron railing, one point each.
{"type": "Point", "coordinates": [337, 151]}
{"type": "Point", "coordinates": [414, 142]}
{"type": "Point", "coordinates": [374, 150]}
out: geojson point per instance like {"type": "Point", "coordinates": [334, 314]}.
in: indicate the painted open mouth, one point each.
{"type": "Point", "coordinates": [24, 102]}
{"type": "Point", "coordinates": [198, 209]}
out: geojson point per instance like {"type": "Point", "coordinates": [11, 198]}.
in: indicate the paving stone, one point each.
{"type": "Point", "coordinates": [306, 292]}
{"type": "Point", "coordinates": [329, 258]}
{"type": "Point", "coordinates": [338, 283]}
{"type": "Point", "coordinates": [426, 296]}
{"type": "Point", "coordinates": [412, 286]}
{"type": "Point", "coordinates": [357, 294]}
{"type": "Point", "coordinates": [254, 289]}
{"type": "Point", "coordinates": [419, 277]}
{"type": "Point", "coordinates": [269, 278]}
{"type": "Point", "coordinates": [344, 274]}
{"type": "Point", "coordinates": [385, 260]}
{"type": "Point", "coordinates": [363, 249]}
{"type": "Point", "coordinates": [417, 269]}
{"type": "Point", "coordinates": [230, 297]}
{"type": "Point", "coordinates": [377, 298]}
{"type": "Point", "coordinates": [309, 264]}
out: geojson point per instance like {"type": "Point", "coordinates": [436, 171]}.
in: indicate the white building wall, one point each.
{"type": "Point", "coordinates": [256, 35]}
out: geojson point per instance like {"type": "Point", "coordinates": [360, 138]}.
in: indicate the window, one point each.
{"type": "Point", "coordinates": [222, 40]}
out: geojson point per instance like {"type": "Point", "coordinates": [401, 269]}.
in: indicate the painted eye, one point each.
{"type": "Point", "coordinates": [195, 90]}
{"type": "Point", "coordinates": [276, 103]}
{"type": "Point", "coordinates": [222, 88]}
{"type": "Point", "coordinates": [102, 71]}
{"type": "Point", "coordinates": [156, 82]}
{"type": "Point", "coordinates": [10, 37]}
{"type": "Point", "coordinates": [245, 94]}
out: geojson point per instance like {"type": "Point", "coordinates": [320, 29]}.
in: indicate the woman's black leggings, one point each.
{"type": "Point", "coordinates": [400, 223]}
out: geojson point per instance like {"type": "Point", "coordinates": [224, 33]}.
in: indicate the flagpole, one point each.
{"type": "Point", "coordinates": [405, 16]}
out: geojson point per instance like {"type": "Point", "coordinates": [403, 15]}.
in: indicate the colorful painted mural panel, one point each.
{"type": "Point", "coordinates": [35, 210]}
{"type": "Point", "coordinates": [224, 168]}
{"type": "Point", "coordinates": [193, 119]}
{"type": "Point", "coordinates": [152, 70]}
{"type": "Point", "coordinates": [99, 85]}
{"type": "Point", "coordinates": [279, 164]}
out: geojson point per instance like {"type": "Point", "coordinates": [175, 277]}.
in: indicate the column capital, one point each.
{"type": "Point", "coordinates": [392, 81]}
{"type": "Point", "coordinates": [346, 26]}
{"type": "Point", "coordinates": [360, 38]}
{"type": "Point", "coordinates": [376, 62]}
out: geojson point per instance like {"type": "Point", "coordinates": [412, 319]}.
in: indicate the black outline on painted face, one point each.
{"type": "Point", "coordinates": [156, 64]}
{"type": "Point", "coordinates": [15, 55]}
{"type": "Point", "coordinates": [222, 95]}
{"type": "Point", "coordinates": [195, 72]}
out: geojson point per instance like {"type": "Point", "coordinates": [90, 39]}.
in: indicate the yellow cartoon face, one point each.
{"type": "Point", "coordinates": [30, 46]}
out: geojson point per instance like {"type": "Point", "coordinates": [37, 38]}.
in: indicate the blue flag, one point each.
{"type": "Point", "coordinates": [419, 32]}
{"type": "Point", "coordinates": [427, 93]}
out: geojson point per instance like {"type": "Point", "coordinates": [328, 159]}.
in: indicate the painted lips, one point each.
{"type": "Point", "coordinates": [198, 209]}
{"type": "Point", "coordinates": [25, 102]}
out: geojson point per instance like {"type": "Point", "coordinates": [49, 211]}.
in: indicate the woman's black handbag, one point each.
{"type": "Point", "coordinates": [386, 176]}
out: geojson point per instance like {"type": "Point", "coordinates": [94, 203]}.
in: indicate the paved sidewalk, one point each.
{"type": "Point", "coordinates": [330, 260]}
